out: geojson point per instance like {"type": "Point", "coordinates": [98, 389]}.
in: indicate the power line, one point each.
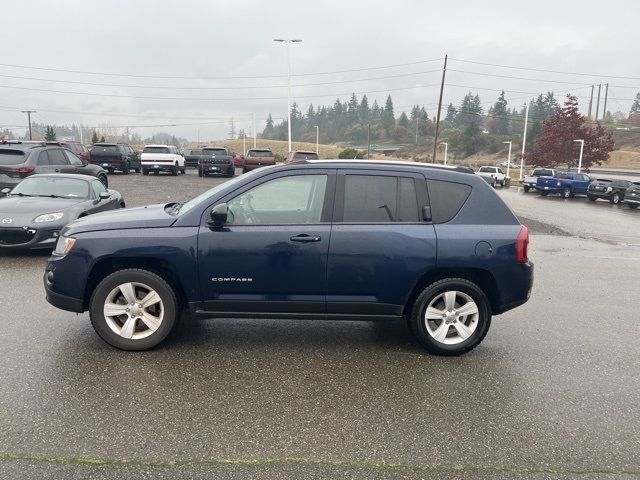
{"type": "Point", "coordinates": [108, 74]}
{"type": "Point", "coordinates": [243, 87]}
{"type": "Point", "coordinates": [520, 78]}
{"type": "Point", "coordinates": [142, 97]}
{"type": "Point", "coordinates": [545, 71]}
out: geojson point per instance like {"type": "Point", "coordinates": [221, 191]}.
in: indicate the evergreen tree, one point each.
{"type": "Point", "coordinates": [352, 107]}
{"type": "Point", "coordinates": [363, 110]}
{"type": "Point", "coordinates": [403, 121]}
{"type": "Point", "coordinates": [94, 137]}
{"type": "Point", "coordinates": [50, 134]}
{"type": "Point", "coordinates": [388, 118]}
{"type": "Point", "coordinates": [499, 121]}
{"type": "Point", "coordinates": [102, 140]}
{"type": "Point", "coordinates": [451, 113]}
{"type": "Point", "coordinates": [268, 129]}
{"type": "Point", "coordinates": [635, 107]}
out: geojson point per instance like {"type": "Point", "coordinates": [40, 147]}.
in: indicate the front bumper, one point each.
{"type": "Point", "coordinates": [22, 238]}
{"type": "Point", "coordinates": [635, 200]}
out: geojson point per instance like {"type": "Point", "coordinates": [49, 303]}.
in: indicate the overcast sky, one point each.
{"type": "Point", "coordinates": [202, 39]}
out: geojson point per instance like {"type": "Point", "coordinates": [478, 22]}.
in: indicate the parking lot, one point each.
{"type": "Point", "coordinates": [552, 392]}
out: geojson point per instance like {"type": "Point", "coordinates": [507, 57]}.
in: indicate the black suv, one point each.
{"type": "Point", "coordinates": [18, 160]}
{"type": "Point", "coordinates": [612, 190]}
{"type": "Point", "coordinates": [191, 157]}
{"type": "Point", "coordinates": [115, 156]}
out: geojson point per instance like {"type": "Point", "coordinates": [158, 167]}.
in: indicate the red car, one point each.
{"type": "Point", "coordinates": [258, 157]}
{"type": "Point", "coordinates": [238, 160]}
{"type": "Point", "coordinates": [76, 147]}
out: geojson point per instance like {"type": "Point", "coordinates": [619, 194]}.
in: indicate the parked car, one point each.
{"type": "Point", "coordinates": [300, 155]}
{"type": "Point", "coordinates": [162, 158]}
{"type": "Point", "coordinates": [115, 156]}
{"type": "Point", "coordinates": [404, 245]}
{"type": "Point", "coordinates": [493, 172]}
{"type": "Point", "coordinates": [18, 160]}
{"type": "Point", "coordinates": [567, 184]}
{"type": "Point", "coordinates": [191, 157]}
{"type": "Point", "coordinates": [256, 158]}
{"type": "Point", "coordinates": [34, 212]}
{"type": "Point", "coordinates": [531, 181]}
{"type": "Point", "coordinates": [76, 147]}
{"type": "Point", "coordinates": [506, 164]}
{"type": "Point", "coordinates": [632, 195]}
{"type": "Point", "coordinates": [216, 160]}
{"type": "Point", "coordinates": [238, 160]}
{"type": "Point", "coordinates": [611, 190]}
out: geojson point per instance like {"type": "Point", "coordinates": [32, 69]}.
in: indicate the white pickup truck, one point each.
{"type": "Point", "coordinates": [493, 175]}
{"type": "Point", "coordinates": [162, 158]}
{"type": "Point", "coordinates": [530, 181]}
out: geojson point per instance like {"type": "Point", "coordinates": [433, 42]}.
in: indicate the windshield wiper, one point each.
{"type": "Point", "coordinates": [51, 196]}
{"type": "Point", "coordinates": [19, 194]}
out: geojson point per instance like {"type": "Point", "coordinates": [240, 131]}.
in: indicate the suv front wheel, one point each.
{"type": "Point", "coordinates": [450, 317]}
{"type": "Point", "coordinates": [133, 309]}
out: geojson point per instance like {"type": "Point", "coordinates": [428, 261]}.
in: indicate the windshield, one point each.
{"type": "Point", "coordinates": [52, 187]}
{"type": "Point", "coordinates": [305, 156]}
{"type": "Point", "coordinates": [209, 193]}
{"type": "Point", "coordinates": [541, 172]}
{"type": "Point", "coordinates": [195, 152]}
{"type": "Point", "coordinates": [259, 153]}
{"type": "Point", "coordinates": [156, 150]}
{"type": "Point", "coordinates": [214, 151]}
{"type": "Point", "coordinates": [12, 157]}
{"type": "Point", "coordinates": [104, 150]}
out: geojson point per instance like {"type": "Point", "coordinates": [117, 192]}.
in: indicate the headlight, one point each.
{"type": "Point", "coordinates": [48, 217]}
{"type": "Point", "coordinates": [64, 246]}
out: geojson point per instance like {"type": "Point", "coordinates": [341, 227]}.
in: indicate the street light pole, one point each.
{"type": "Point", "coordinates": [524, 140]}
{"type": "Point", "coordinates": [255, 132]}
{"type": "Point", "coordinates": [29, 112]}
{"type": "Point", "coordinates": [580, 158]}
{"type": "Point", "coordinates": [508, 158]}
{"type": "Point", "coordinates": [446, 148]}
{"type": "Point", "coordinates": [244, 142]}
{"type": "Point", "coordinates": [288, 41]}
{"type": "Point", "coordinates": [317, 138]}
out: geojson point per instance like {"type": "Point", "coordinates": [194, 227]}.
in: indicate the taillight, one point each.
{"type": "Point", "coordinates": [522, 245]}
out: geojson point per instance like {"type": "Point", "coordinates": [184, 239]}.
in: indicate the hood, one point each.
{"type": "Point", "coordinates": [151, 216]}
{"type": "Point", "coordinates": [20, 211]}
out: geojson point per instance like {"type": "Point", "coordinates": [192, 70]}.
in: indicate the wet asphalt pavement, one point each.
{"type": "Point", "coordinates": [552, 392]}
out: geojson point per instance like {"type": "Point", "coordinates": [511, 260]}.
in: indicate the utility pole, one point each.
{"type": "Point", "coordinates": [598, 102]}
{"type": "Point", "coordinates": [29, 112]}
{"type": "Point", "coordinates": [288, 41]}
{"type": "Point", "coordinates": [255, 132]}
{"type": "Point", "coordinates": [317, 139]}
{"type": "Point", "coordinates": [508, 158]}
{"type": "Point", "coordinates": [435, 140]}
{"type": "Point", "coordinates": [606, 94]}
{"type": "Point", "coordinates": [244, 142]}
{"type": "Point", "coordinates": [232, 129]}
{"type": "Point", "coordinates": [524, 141]}
{"type": "Point", "coordinates": [417, 120]}
{"type": "Point", "coordinates": [590, 103]}
{"type": "Point", "coordinates": [368, 141]}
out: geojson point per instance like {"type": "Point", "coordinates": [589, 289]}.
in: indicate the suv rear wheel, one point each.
{"type": "Point", "coordinates": [133, 309]}
{"type": "Point", "coordinates": [566, 192]}
{"type": "Point", "coordinates": [615, 198]}
{"type": "Point", "coordinates": [450, 317]}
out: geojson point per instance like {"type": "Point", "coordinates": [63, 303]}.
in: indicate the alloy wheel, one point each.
{"type": "Point", "coordinates": [451, 317]}
{"type": "Point", "coordinates": [133, 310]}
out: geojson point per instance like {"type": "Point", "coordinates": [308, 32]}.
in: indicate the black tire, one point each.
{"type": "Point", "coordinates": [174, 170]}
{"type": "Point", "coordinates": [183, 170]}
{"type": "Point", "coordinates": [126, 168]}
{"type": "Point", "coordinates": [137, 170]}
{"type": "Point", "coordinates": [633, 206]}
{"type": "Point", "coordinates": [162, 288]}
{"type": "Point", "coordinates": [200, 172]}
{"type": "Point", "coordinates": [566, 192]}
{"type": "Point", "coordinates": [615, 198]}
{"type": "Point", "coordinates": [418, 324]}
{"type": "Point", "coordinates": [544, 194]}
{"type": "Point", "coordinates": [104, 180]}
{"type": "Point", "coordinates": [591, 198]}
{"type": "Point", "coordinates": [145, 171]}
{"type": "Point", "coordinates": [122, 205]}
{"type": "Point", "coordinates": [232, 172]}
{"type": "Point", "coordinates": [526, 189]}
{"type": "Point", "coordinates": [244, 170]}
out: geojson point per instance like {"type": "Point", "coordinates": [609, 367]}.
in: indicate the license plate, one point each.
{"type": "Point", "coordinates": [546, 188]}
{"type": "Point", "coordinates": [633, 194]}
{"type": "Point", "coordinates": [215, 169]}
{"type": "Point", "coordinates": [105, 164]}
{"type": "Point", "coordinates": [156, 166]}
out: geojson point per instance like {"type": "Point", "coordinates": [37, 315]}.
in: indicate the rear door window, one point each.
{"type": "Point", "coordinates": [56, 157]}
{"type": "Point", "coordinates": [72, 158]}
{"type": "Point", "coordinates": [446, 199]}
{"type": "Point", "coordinates": [379, 199]}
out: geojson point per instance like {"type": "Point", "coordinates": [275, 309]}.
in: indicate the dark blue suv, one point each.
{"type": "Point", "coordinates": [312, 240]}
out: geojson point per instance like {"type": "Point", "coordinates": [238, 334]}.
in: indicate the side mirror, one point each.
{"type": "Point", "coordinates": [218, 215]}
{"type": "Point", "coordinates": [5, 191]}
{"type": "Point", "coordinates": [105, 195]}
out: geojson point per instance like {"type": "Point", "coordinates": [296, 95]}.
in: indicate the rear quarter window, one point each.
{"type": "Point", "coordinates": [446, 199]}
{"type": "Point", "coordinates": [12, 157]}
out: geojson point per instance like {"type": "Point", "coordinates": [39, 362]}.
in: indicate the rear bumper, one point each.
{"type": "Point", "coordinates": [217, 168]}
{"type": "Point", "coordinates": [516, 289]}
{"type": "Point", "coordinates": [158, 167]}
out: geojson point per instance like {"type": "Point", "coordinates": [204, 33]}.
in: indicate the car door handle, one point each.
{"type": "Point", "coordinates": [305, 238]}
